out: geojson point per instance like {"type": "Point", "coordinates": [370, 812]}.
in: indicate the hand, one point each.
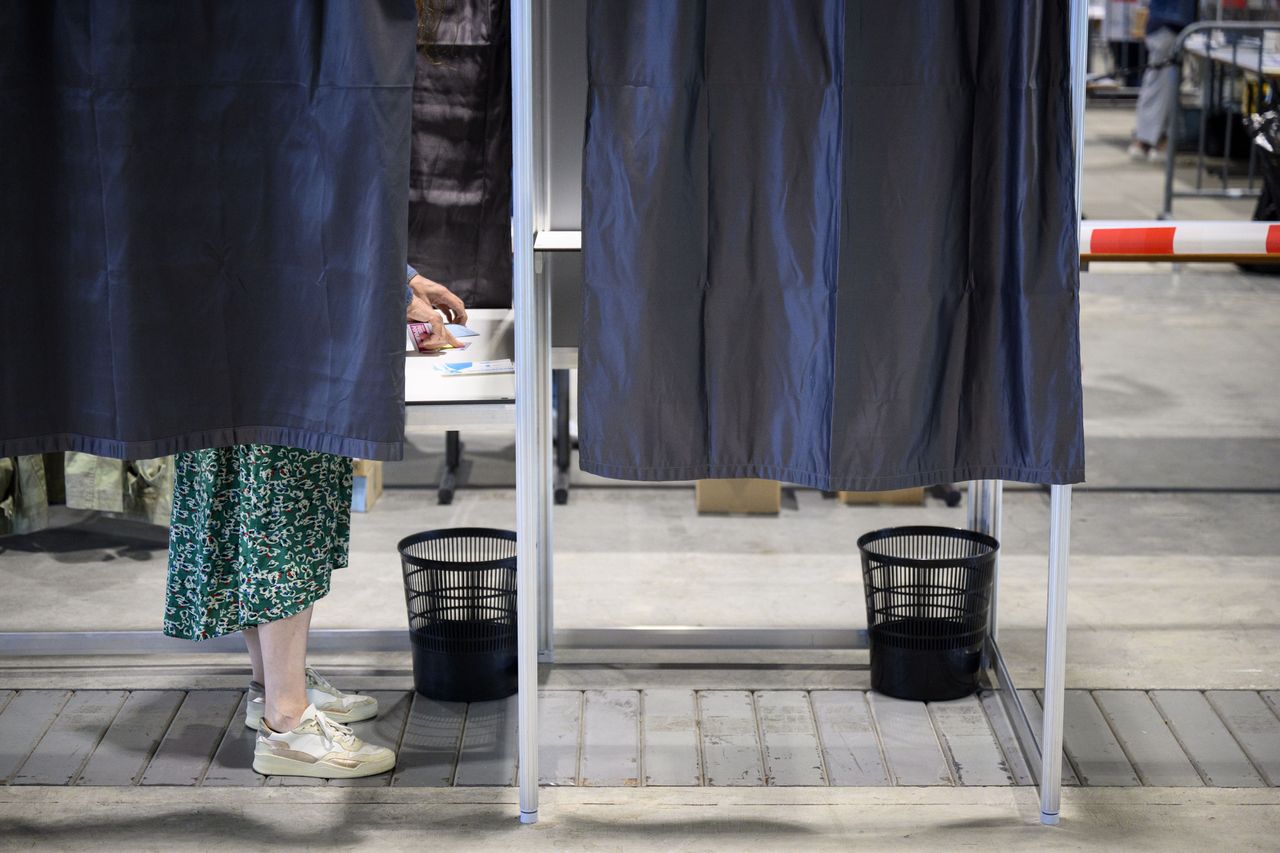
{"type": "Point", "coordinates": [439, 296]}
{"type": "Point", "coordinates": [421, 312]}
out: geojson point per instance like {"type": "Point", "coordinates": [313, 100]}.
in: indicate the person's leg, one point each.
{"type": "Point", "coordinates": [254, 647]}
{"type": "Point", "coordinates": [1159, 88]}
{"type": "Point", "coordinates": [284, 659]}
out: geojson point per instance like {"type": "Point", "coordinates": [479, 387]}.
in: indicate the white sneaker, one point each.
{"type": "Point", "coordinates": [1138, 151]}
{"type": "Point", "coordinates": [318, 747]}
{"type": "Point", "coordinates": [332, 702]}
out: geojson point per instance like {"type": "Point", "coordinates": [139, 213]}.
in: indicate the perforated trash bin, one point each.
{"type": "Point", "coordinates": [460, 588]}
{"type": "Point", "coordinates": [928, 598]}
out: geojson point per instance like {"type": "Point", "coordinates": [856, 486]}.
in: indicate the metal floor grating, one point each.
{"type": "Point", "coordinates": [661, 737]}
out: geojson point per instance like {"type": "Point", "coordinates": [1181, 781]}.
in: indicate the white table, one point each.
{"type": "Point", "coordinates": [1246, 55]}
{"type": "Point", "coordinates": [432, 399]}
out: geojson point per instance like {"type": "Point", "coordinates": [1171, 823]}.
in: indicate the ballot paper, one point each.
{"type": "Point", "coordinates": [460, 331]}
{"type": "Point", "coordinates": [475, 368]}
{"type": "Point", "coordinates": [420, 332]}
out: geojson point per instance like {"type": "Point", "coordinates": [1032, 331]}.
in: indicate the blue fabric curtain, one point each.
{"type": "Point", "coordinates": [831, 243]}
{"type": "Point", "coordinates": [203, 218]}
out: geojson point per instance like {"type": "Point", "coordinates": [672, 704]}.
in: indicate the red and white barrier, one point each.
{"type": "Point", "coordinates": [1179, 241]}
{"type": "Point", "coordinates": [1102, 240]}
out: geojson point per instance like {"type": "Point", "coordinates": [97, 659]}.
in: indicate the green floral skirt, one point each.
{"type": "Point", "coordinates": [255, 533]}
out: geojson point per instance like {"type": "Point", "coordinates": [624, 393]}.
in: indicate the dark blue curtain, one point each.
{"type": "Point", "coordinates": [831, 243]}
{"type": "Point", "coordinates": [203, 212]}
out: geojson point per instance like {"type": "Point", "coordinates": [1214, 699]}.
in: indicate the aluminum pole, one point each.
{"type": "Point", "coordinates": [986, 515]}
{"type": "Point", "coordinates": [529, 405]}
{"type": "Point", "coordinates": [546, 471]}
{"type": "Point", "coordinates": [996, 532]}
{"type": "Point", "coordinates": [541, 176]}
{"type": "Point", "coordinates": [1055, 654]}
{"type": "Point", "coordinates": [1055, 632]}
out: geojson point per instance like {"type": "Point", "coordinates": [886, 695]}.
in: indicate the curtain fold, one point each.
{"type": "Point", "coordinates": [831, 243]}
{"type": "Point", "coordinates": [203, 222]}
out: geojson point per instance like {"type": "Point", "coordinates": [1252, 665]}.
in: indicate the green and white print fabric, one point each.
{"type": "Point", "coordinates": [255, 534]}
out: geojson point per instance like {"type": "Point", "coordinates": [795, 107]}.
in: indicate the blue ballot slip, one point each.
{"type": "Point", "coordinates": [474, 368]}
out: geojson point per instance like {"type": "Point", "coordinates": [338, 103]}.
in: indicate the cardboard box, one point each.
{"type": "Point", "coordinates": [366, 484]}
{"type": "Point", "coordinates": [743, 495]}
{"type": "Point", "coordinates": [910, 497]}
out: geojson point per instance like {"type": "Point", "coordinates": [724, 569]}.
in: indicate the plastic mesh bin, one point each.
{"type": "Point", "coordinates": [928, 598]}
{"type": "Point", "coordinates": [460, 589]}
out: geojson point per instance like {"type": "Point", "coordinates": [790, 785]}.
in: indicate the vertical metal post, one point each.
{"type": "Point", "coordinates": [979, 509]}
{"type": "Point", "coordinates": [996, 531]}
{"type": "Point", "coordinates": [1055, 655]}
{"type": "Point", "coordinates": [546, 470]}
{"type": "Point", "coordinates": [986, 515]}
{"type": "Point", "coordinates": [1055, 632]}
{"type": "Point", "coordinates": [983, 502]}
{"type": "Point", "coordinates": [531, 409]}
{"type": "Point", "coordinates": [540, 190]}
{"type": "Point", "coordinates": [1171, 135]}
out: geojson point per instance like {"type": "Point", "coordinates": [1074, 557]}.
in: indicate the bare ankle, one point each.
{"type": "Point", "coordinates": [283, 720]}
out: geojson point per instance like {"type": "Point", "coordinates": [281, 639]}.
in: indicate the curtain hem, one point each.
{"type": "Point", "coordinates": [811, 479]}
{"type": "Point", "coordinates": [386, 451]}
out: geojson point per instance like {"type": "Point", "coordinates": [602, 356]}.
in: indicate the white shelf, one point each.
{"type": "Point", "coordinates": [557, 241]}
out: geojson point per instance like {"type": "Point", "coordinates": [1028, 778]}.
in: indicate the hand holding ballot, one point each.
{"type": "Point", "coordinates": [439, 297]}
{"type": "Point", "coordinates": [434, 305]}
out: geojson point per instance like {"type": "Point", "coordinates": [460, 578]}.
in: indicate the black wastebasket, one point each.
{"type": "Point", "coordinates": [928, 596]}
{"type": "Point", "coordinates": [460, 588]}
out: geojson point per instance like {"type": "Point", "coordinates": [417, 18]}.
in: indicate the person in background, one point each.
{"type": "Point", "coordinates": [1122, 29]}
{"type": "Point", "coordinates": [1165, 19]}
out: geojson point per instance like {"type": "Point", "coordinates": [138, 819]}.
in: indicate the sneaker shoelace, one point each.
{"type": "Point", "coordinates": [335, 734]}
{"type": "Point", "coordinates": [316, 681]}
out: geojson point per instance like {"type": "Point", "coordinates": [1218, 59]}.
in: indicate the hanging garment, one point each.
{"type": "Point", "coordinates": [460, 173]}
{"type": "Point", "coordinates": [831, 243]}
{"type": "Point", "coordinates": [138, 489]}
{"type": "Point", "coordinates": [203, 216]}
{"type": "Point", "coordinates": [24, 495]}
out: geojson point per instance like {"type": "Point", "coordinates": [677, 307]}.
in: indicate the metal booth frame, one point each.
{"type": "Point", "coordinates": [531, 232]}
{"type": "Point", "coordinates": [532, 236]}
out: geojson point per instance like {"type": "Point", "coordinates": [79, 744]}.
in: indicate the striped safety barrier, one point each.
{"type": "Point", "coordinates": [1232, 242]}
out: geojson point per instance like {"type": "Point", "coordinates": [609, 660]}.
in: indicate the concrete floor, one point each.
{"type": "Point", "coordinates": [1173, 585]}
{"type": "Point", "coordinates": [650, 819]}
{"type": "Point", "coordinates": [1115, 187]}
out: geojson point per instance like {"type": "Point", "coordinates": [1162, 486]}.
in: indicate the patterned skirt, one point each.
{"type": "Point", "coordinates": [256, 531]}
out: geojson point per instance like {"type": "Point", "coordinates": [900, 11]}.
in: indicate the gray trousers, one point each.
{"type": "Point", "coordinates": [1159, 88]}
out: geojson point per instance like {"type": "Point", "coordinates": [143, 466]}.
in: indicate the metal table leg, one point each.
{"type": "Point", "coordinates": [449, 470]}
{"type": "Point", "coordinates": [560, 390]}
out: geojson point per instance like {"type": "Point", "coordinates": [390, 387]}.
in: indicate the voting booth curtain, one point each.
{"type": "Point", "coordinates": [831, 243]}
{"type": "Point", "coordinates": [202, 220]}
